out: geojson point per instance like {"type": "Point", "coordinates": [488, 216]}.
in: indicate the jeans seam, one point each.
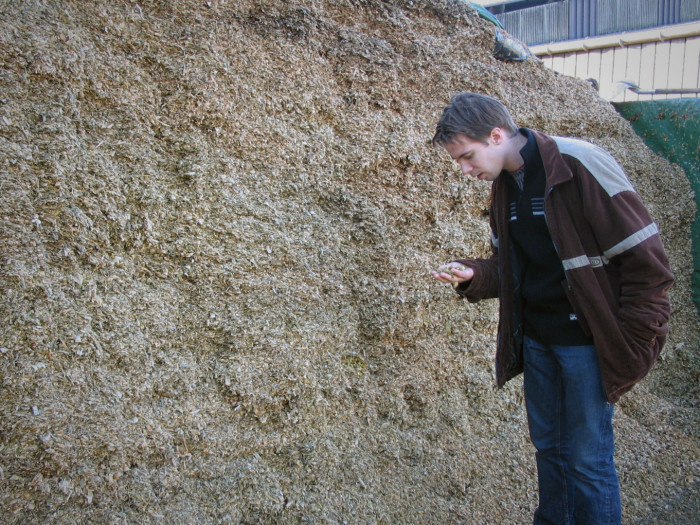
{"type": "Point", "coordinates": [564, 473]}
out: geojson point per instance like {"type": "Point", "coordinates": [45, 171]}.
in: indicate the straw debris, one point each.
{"type": "Point", "coordinates": [218, 220]}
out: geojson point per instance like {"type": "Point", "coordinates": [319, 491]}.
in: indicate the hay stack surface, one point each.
{"type": "Point", "coordinates": [217, 225]}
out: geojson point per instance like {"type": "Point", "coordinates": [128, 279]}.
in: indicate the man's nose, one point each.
{"type": "Point", "coordinates": [465, 167]}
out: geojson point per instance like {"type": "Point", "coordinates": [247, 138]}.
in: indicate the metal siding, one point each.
{"type": "Point", "coordinates": [633, 69]}
{"type": "Point", "coordinates": [661, 67]}
{"type": "Point", "coordinates": [646, 73]}
{"type": "Point", "coordinates": [691, 64]}
{"type": "Point", "coordinates": [573, 19]}
{"type": "Point", "coordinates": [620, 57]}
{"type": "Point", "coordinates": [615, 16]}
{"type": "Point", "coordinates": [570, 64]}
{"type": "Point", "coordinates": [536, 25]}
{"type": "Point", "coordinates": [582, 18]}
{"type": "Point", "coordinates": [654, 65]}
{"type": "Point", "coordinates": [594, 65]}
{"type": "Point", "coordinates": [688, 10]}
{"type": "Point", "coordinates": [582, 65]}
{"type": "Point", "coordinates": [676, 64]}
{"type": "Point", "coordinates": [607, 89]}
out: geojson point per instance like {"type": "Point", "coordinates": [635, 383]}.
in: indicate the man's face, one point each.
{"type": "Point", "coordinates": [482, 160]}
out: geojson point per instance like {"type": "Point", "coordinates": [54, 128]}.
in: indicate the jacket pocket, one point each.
{"type": "Point", "coordinates": [642, 334]}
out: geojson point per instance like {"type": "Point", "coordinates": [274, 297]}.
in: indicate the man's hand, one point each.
{"type": "Point", "coordinates": [453, 273]}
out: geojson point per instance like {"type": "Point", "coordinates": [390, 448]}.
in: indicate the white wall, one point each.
{"type": "Point", "coordinates": [663, 58]}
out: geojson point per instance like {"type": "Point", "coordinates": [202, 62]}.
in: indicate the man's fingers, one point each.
{"type": "Point", "coordinates": [442, 276]}
{"type": "Point", "coordinates": [464, 274]}
{"type": "Point", "coordinates": [449, 268]}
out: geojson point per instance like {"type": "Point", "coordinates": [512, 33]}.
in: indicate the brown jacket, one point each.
{"type": "Point", "coordinates": [617, 272]}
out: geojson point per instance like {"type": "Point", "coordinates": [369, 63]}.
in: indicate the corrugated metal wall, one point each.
{"type": "Point", "coordinates": [536, 25]}
{"type": "Point", "coordinates": [615, 16]}
{"type": "Point", "coordinates": [689, 10]}
{"type": "Point", "coordinates": [572, 19]}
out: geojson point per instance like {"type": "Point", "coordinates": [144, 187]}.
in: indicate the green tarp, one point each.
{"type": "Point", "coordinates": [671, 128]}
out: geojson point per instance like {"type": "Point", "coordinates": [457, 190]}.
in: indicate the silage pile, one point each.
{"type": "Point", "coordinates": [217, 224]}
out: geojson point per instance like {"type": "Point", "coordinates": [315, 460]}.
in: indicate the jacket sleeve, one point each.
{"type": "Point", "coordinates": [629, 239]}
{"type": "Point", "coordinates": [484, 283]}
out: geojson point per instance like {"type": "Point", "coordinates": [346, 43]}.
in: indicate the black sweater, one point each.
{"type": "Point", "coordinates": [547, 314]}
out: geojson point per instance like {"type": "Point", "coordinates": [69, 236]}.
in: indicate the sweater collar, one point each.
{"type": "Point", "coordinates": [529, 151]}
{"type": "Point", "coordinates": [530, 154]}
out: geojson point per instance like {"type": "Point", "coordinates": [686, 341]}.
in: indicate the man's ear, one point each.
{"type": "Point", "coordinates": [497, 136]}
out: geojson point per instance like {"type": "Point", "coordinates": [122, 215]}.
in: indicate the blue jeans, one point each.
{"type": "Point", "coordinates": [570, 423]}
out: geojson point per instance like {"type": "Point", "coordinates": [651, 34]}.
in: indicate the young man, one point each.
{"type": "Point", "coordinates": [582, 277]}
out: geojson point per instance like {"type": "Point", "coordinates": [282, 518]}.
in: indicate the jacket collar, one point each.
{"type": "Point", "coordinates": [556, 169]}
